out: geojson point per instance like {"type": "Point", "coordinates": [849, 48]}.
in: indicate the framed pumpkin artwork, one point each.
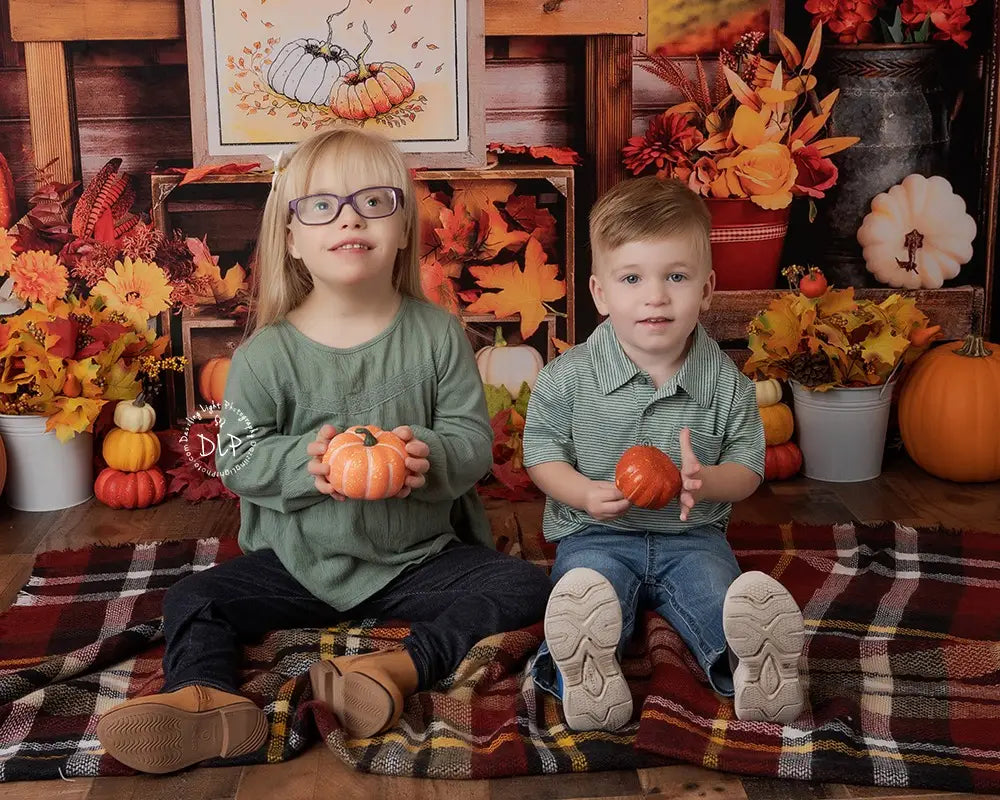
{"type": "Point", "coordinates": [263, 76]}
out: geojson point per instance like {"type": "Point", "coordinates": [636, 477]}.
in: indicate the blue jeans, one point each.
{"type": "Point", "coordinates": [683, 577]}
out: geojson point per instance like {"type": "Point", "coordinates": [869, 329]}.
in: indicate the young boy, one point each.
{"type": "Point", "coordinates": [651, 375]}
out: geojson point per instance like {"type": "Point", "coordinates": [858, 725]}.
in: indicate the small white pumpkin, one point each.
{"type": "Point", "coordinates": [502, 364]}
{"type": "Point", "coordinates": [135, 415]}
{"type": "Point", "coordinates": [917, 234]}
{"type": "Point", "coordinates": [307, 69]}
{"type": "Point", "coordinates": [768, 392]}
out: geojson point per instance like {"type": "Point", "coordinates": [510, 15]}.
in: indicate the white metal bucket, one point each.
{"type": "Point", "coordinates": [842, 431]}
{"type": "Point", "coordinates": [44, 474]}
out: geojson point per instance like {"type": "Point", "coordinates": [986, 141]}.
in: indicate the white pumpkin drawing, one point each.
{"type": "Point", "coordinates": [917, 234]}
{"type": "Point", "coordinates": [307, 69]}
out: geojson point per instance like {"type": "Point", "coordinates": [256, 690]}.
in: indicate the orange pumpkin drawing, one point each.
{"type": "Point", "coordinates": [366, 463]}
{"type": "Point", "coordinates": [371, 89]}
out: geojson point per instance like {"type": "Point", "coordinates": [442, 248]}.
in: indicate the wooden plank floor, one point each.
{"type": "Point", "coordinates": [903, 493]}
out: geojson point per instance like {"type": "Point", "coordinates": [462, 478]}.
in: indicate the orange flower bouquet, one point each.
{"type": "Point", "coordinates": [752, 134]}
{"type": "Point", "coordinates": [65, 354]}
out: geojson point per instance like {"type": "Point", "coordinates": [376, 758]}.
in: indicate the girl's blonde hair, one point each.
{"type": "Point", "coordinates": [281, 282]}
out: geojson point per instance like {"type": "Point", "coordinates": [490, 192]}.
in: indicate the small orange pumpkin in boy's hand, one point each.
{"type": "Point", "coordinates": [647, 477]}
{"type": "Point", "coordinates": [366, 463]}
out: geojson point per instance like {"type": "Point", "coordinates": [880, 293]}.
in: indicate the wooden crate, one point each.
{"type": "Point", "coordinates": [205, 336]}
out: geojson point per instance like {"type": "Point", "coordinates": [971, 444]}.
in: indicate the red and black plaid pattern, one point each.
{"type": "Point", "coordinates": [901, 658]}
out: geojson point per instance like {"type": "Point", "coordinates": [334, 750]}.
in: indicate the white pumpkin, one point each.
{"type": "Point", "coordinates": [917, 234]}
{"type": "Point", "coordinates": [509, 366]}
{"type": "Point", "coordinates": [768, 392]}
{"type": "Point", "coordinates": [307, 69]}
{"type": "Point", "coordinates": [135, 415]}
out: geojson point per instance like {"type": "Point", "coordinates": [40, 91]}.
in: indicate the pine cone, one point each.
{"type": "Point", "coordinates": [809, 369]}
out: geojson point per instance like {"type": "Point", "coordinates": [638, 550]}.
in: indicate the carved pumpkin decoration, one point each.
{"type": "Point", "coordinates": [129, 451]}
{"type": "Point", "coordinates": [647, 476]}
{"type": "Point", "coordinates": [141, 489]}
{"type": "Point", "coordinates": [212, 379]}
{"type": "Point", "coordinates": [768, 392]}
{"type": "Point", "coordinates": [782, 461]}
{"type": "Point", "coordinates": [948, 411]}
{"type": "Point", "coordinates": [7, 202]}
{"type": "Point", "coordinates": [779, 424]}
{"type": "Point", "coordinates": [371, 89]}
{"type": "Point", "coordinates": [917, 234]}
{"type": "Point", "coordinates": [3, 466]}
{"type": "Point", "coordinates": [135, 415]}
{"type": "Point", "coordinates": [366, 463]}
{"type": "Point", "coordinates": [306, 70]}
{"type": "Point", "coordinates": [509, 365]}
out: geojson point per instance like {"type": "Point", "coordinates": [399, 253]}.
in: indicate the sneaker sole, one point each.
{"type": "Point", "coordinates": [157, 738]}
{"type": "Point", "coordinates": [583, 624]}
{"type": "Point", "coordinates": [362, 705]}
{"type": "Point", "coordinates": [764, 628]}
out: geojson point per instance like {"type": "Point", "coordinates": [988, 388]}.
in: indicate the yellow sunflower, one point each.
{"type": "Point", "coordinates": [136, 289]}
{"type": "Point", "coordinates": [6, 251]}
{"type": "Point", "coordinates": [39, 277]}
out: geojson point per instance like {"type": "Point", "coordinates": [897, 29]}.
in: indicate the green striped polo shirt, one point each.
{"type": "Point", "coordinates": [592, 403]}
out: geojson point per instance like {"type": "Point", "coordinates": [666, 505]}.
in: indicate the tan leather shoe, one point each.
{"type": "Point", "coordinates": [166, 732]}
{"type": "Point", "coordinates": [365, 692]}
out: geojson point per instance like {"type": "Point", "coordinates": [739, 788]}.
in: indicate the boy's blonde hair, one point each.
{"type": "Point", "coordinates": [281, 282]}
{"type": "Point", "coordinates": [647, 208]}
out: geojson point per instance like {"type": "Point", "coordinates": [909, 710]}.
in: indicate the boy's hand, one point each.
{"type": "Point", "coordinates": [691, 479]}
{"type": "Point", "coordinates": [416, 461]}
{"type": "Point", "coordinates": [316, 467]}
{"type": "Point", "coordinates": [605, 501]}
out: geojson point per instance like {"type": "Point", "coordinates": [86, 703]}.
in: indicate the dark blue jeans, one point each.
{"type": "Point", "coordinates": [452, 600]}
{"type": "Point", "coordinates": [681, 576]}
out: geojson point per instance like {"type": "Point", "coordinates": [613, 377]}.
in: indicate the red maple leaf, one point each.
{"type": "Point", "coordinates": [539, 222]}
{"type": "Point", "coordinates": [103, 335]}
{"type": "Point", "coordinates": [197, 173]}
{"type": "Point", "coordinates": [66, 330]}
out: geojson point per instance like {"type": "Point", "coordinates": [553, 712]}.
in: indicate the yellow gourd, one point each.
{"type": "Point", "coordinates": [129, 451]}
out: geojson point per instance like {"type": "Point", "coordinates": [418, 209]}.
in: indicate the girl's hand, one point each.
{"type": "Point", "coordinates": [605, 501]}
{"type": "Point", "coordinates": [691, 477]}
{"type": "Point", "coordinates": [316, 467]}
{"type": "Point", "coordinates": [416, 461]}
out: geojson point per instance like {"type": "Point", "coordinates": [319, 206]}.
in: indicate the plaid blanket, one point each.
{"type": "Point", "coordinates": [901, 657]}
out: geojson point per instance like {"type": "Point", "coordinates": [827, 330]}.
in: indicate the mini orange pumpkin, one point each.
{"type": "Point", "coordinates": [142, 489]}
{"type": "Point", "coordinates": [782, 461]}
{"type": "Point", "coordinates": [129, 451]}
{"type": "Point", "coordinates": [212, 379]}
{"type": "Point", "coordinates": [779, 424]}
{"type": "Point", "coordinates": [647, 476]}
{"type": "Point", "coordinates": [366, 463]}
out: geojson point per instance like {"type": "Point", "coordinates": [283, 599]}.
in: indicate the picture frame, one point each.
{"type": "Point", "coordinates": [678, 29]}
{"type": "Point", "coordinates": [263, 77]}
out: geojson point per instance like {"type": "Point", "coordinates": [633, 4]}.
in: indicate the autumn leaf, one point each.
{"type": "Point", "coordinates": [429, 208]}
{"type": "Point", "coordinates": [478, 196]}
{"type": "Point", "coordinates": [521, 292]}
{"type": "Point", "coordinates": [437, 284]}
{"type": "Point", "coordinates": [74, 415]}
{"type": "Point", "coordinates": [392, 27]}
{"type": "Point", "coordinates": [499, 236]}
{"type": "Point", "coordinates": [557, 155]}
{"type": "Point", "coordinates": [497, 399]}
{"type": "Point", "coordinates": [459, 231]}
{"type": "Point", "coordinates": [470, 237]}
{"type": "Point", "coordinates": [539, 222]}
{"type": "Point", "coordinates": [560, 345]}
{"type": "Point", "coordinates": [122, 383]}
{"type": "Point", "coordinates": [197, 173]}
{"type": "Point", "coordinates": [244, 15]}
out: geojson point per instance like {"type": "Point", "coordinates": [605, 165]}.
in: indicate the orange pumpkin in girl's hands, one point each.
{"type": "Point", "coordinates": [647, 477]}
{"type": "Point", "coordinates": [366, 463]}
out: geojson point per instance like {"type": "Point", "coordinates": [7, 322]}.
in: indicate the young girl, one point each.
{"type": "Point", "coordinates": [343, 337]}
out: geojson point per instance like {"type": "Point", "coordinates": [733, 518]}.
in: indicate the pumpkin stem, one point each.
{"type": "Point", "coordinates": [369, 440]}
{"type": "Point", "coordinates": [363, 72]}
{"type": "Point", "coordinates": [498, 340]}
{"type": "Point", "coordinates": [974, 347]}
{"type": "Point", "coordinates": [140, 401]}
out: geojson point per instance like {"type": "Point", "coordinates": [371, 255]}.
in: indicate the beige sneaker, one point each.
{"type": "Point", "coordinates": [166, 732]}
{"type": "Point", "coordinates": [583, 623]}
{"type": "Point", "coordinates": [764, 628]}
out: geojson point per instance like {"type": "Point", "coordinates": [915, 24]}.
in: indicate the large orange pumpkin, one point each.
{"type": "Point", "coordinates": [212, 379]}
{"type": "Point", "coordinates": [129, 451]}
{"type": "Point", "coordinates": [370, 90]}
{"type": "Point", "coordinates": [782, 461]}
{"type": "Point", "coordinates": [141, 489]}
{"type": "Point", "coordinates": [366, 463]}
{"type": "Point", "coordinates": [647, 476]}
{"type": "Point", "coordinates": [948, 411]}
{"type": "Point", "coordinates": [6, 194]}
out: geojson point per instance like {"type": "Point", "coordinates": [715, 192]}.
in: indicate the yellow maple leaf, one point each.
{"type": "Point", "coordinates": [74, 415]}
{"type": "Point", "coordinates": [521, 292]}
{"type": "Point", "coordinates": [884, 346]}
{"type": "Point", "coordinates": [122, 383]}
{"type": "Point", "coordinates": [479, 196]}
{"type": "Point", "coordinates": [560, 345]}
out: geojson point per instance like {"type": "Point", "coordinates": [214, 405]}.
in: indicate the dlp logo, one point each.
{"type": "Point", "coordinates": [219, 432]}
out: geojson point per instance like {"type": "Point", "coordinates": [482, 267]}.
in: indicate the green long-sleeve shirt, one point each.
{"type": "Point", "coordinates": [283, 386]}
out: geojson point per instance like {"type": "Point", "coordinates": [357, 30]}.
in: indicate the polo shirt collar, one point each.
{"type": "Point", "coordinates": [697, 376]}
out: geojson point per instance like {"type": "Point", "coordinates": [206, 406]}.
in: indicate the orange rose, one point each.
{"type": "Point", "coordinates": [766, 173]}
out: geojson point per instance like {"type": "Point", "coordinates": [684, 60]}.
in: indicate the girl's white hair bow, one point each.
{"type": "Point", "coordinates": [278, 169]}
